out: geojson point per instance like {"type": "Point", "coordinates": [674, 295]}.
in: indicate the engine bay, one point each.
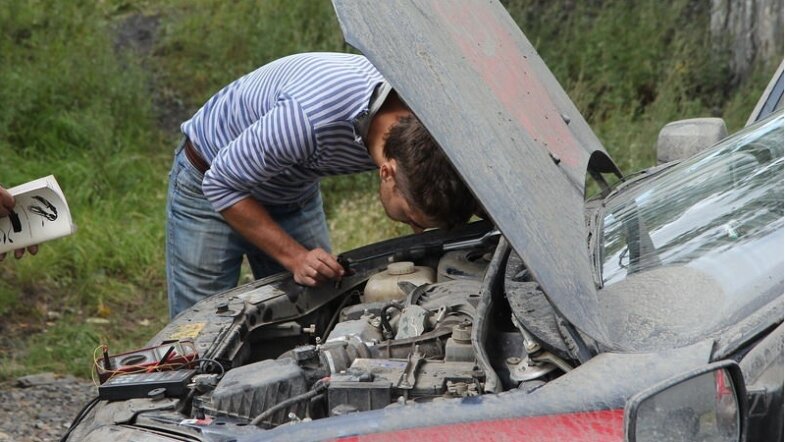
{"type": "Point", "coordinates": [405, 335]}
{"type": "Point", "coordinates": [426, 318]}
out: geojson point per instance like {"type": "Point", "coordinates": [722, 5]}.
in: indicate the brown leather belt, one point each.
{"type": "Point", "coordinates": [195, 158]}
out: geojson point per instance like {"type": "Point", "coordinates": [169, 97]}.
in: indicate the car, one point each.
{"type": "Point", "coordinates": [651, 311]}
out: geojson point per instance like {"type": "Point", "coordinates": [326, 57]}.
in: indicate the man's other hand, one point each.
{"type": "Point", "coordinates": [6, 202]}
{"type": "Point", "coordinates": [315, 267]}
{"type": "Point", "coordinates": [6, 206]}
{"type": "Point", "coordinates": [18, 253]}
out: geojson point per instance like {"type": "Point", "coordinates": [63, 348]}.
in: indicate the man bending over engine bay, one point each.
{"type": "Point", "coordinates": [245, 179]}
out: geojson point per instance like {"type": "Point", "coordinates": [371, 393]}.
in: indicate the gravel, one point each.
{"type": "Point", "coordinates": [41, 407]}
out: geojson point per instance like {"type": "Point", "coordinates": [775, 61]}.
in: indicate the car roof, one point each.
{"type": "Point", "coordinates": [520, 144]}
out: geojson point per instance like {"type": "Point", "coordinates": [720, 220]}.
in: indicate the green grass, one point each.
{"type": "Point", "coordinates": [77, 107]}
{"type": "Point", "coordinates": [212, 43]}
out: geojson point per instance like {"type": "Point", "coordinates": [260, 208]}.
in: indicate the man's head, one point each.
{"type": "Point", "coordinates": [418, 185]}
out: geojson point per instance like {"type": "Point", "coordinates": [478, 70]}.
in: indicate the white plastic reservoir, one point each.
{"type": "Point", "coordinates": [383, 286]}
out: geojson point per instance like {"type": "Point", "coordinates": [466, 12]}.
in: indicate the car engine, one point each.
{"type": "Point", "coordinates": [409, 339]}
{"type": "Point", "coordinates": [432, 317]}
{"type": "Point", "coordinates": [404, 337]}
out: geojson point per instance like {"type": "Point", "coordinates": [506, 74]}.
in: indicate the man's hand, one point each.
{"type": "Point", "coordinates": [249, 218]}
{"type": "Point", "coordinates": [315, 267]}
{"type": "Point", "coordinates": [18, 253]}
{"type": "Point", "coordinates": [6, 206]}
{"type": "Point", "coordinates": [6, 202]}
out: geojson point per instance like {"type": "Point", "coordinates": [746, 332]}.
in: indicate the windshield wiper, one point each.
{"type": "Point", "coordinates": [420, 251]}
{"type": "Point", "coordinates": [575, 343]}
{"type": "Point", "coordinates": [641, 248]}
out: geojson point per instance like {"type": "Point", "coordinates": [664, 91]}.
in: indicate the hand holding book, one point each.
{"type": "Point", "coordinates": [32, 213]}
{"type": "Point", "coordinates": [7, 204]}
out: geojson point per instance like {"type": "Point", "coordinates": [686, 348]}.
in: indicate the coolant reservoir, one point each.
{"type": "Point", "coordinates": [462, 264]}
{"type": "Point", "coordinates": [383, 286]}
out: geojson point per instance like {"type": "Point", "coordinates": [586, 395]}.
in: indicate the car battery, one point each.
{"type": "Point", "coordinates": [358, 391]}
{"type": "Point", "coordinates": [370, 384]}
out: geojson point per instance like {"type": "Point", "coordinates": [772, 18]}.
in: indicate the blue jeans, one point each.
{"type": "Point", "coordinates": [204, 254]}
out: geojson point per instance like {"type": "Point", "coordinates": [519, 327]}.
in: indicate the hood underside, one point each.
{"type": "Point", "coordinates": [518, 141]}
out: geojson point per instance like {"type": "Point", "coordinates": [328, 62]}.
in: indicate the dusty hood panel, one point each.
{"type": "Point", "coordinates": [482, 91]}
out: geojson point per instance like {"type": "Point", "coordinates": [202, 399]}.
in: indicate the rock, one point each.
{"type": "Point", "coordinates": [97, 321]}
{"type": "Point", "coordinates": [67, 379]}
{"type": "Point", "coordinates": [46, 416]}
{"type": "Point", "coordinates": [36, 379]}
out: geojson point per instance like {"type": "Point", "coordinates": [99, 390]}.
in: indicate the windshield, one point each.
{"type": "Point", "coordinates": [709, 229]}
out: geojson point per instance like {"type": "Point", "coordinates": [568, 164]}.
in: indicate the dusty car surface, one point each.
{"type": "Point", "coordinates": [652, 311]}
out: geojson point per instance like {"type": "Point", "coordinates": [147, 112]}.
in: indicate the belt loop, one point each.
{"type": "Point", "coordinates": [194, 157]}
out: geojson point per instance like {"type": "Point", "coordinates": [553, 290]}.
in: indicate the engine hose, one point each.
{"type": "Point", "coordinates": [79, 417]}
{"type": "Point", "coordinates": [388, 331]}
{"type": "Point", "coordinates": [317, 389]}
{"type": "Point", "coordinates": [401, 348]}
{"type": "Point", "coordinates": [337, 313]}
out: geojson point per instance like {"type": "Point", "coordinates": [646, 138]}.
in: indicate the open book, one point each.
{"type": "Point", "coordinates": [40, 214]}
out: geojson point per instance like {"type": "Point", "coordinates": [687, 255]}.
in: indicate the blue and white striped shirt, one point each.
{"type": "Point", "coordinates": [274, 132]}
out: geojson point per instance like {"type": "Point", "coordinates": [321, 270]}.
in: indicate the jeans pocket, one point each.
{"type": "Point", "coordinates": [188, 183]}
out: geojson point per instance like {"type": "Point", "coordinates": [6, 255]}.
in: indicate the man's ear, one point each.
{"type": "Point", "coordinates": [387, 170]}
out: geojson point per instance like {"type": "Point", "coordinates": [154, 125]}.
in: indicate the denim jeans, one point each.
{"type": "Point", "coordinates": [204, 254]}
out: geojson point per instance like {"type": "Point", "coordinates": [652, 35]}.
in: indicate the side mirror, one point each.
{"type": "Point", "coordinates": [709, 403]}
{"type": "Point", "coordinates": [684, 138]}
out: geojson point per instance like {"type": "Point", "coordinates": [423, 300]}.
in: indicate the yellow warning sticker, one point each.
{"type": "Point", "coordinates": [188, 331]}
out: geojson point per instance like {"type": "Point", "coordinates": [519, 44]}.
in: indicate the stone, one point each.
{"type": "Point", "coordinates": [36, 379]}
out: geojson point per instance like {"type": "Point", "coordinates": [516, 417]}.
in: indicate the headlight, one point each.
{"type": "Point", "coordinates": [708, 404]}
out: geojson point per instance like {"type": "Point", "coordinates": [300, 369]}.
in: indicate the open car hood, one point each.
{"type": "Point", "coordinates": [518, 141]}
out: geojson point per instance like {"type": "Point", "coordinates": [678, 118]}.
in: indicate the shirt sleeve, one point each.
{"type": "Point", "coordinates": [281, 138]}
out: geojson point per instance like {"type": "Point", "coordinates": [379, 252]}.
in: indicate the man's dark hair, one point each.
{"type": "Point", "coordinates": [425, 176]}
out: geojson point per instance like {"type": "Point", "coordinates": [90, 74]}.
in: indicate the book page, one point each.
{"type": "Point", "coordinates": [40, 214]}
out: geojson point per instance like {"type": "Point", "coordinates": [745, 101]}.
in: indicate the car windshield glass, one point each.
{"type": "Point", "coordinates": [716, 217]}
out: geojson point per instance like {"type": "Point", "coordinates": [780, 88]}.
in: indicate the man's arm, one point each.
{"type": "Point", "coordinates": [281, 139]}
{"type": "Point", "coordinates": [309, 267]}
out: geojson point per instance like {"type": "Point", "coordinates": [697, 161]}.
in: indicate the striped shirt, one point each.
{"type": "Point", "coordinates": [274, 132]}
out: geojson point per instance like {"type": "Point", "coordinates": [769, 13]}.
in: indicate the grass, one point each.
{"type": "Point", "coordinates": [212, 56]}
{"type": "Point", "coordinates": [78, 107]}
